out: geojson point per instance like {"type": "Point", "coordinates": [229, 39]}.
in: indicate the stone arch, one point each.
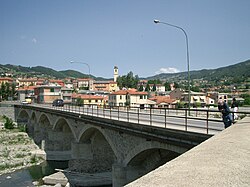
{"type": "Point", "coordinates": [63, 125]}
{"type": "Point", "coordinates": [42, 130]}
{"type": "Point", "coordinates": [107, 136]}
{"type": "Point", "coordinates": [30, 128]}
{"type": "Point", "coordinates": [23, 115]}
{"type": "Point", "coordinates": [95, 153]}
{"type": "Point", "coordinates": [146, 157]}
{"type": "Point", "coordinates": [61, 136]}
{"type": "Point", "coordinates": [149, 145]}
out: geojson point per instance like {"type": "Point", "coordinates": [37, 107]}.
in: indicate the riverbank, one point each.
{"type": "Point", "coordinates": [17, 151]}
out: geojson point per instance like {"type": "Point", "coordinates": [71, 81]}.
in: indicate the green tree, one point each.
{"type": "Point", "coordinates": [246, 99]}
{"type": "Point", "coordinates": [13, 89]}
{"type": "Point", "coordinates": [8, 91]}
{"type": "Point", "coordinates": [176, 85]}
{"type": "Point", "coordinates": [167, 85]}
{"type": "Point", "coordinates": [154, 81]}
{"type": "Point", "coordinates": [128, 81]}
{"type": "Point", "coordinates": [3, 91]}
{"type": "Point", "coordinates": [147, 89]}
{"type": "Point", "coordinates": [141, 88]}
{"type": "Point", "coordinates": [154, 88]}
{"type": "Point", "coordinates": [79, 101]}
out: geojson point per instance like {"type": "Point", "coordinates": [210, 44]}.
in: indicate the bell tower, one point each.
{"type": "Point", "coordinates": [115, 73]}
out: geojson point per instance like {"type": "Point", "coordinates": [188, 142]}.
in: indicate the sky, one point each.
{"type": "Point", "coordinates": [101, 34]}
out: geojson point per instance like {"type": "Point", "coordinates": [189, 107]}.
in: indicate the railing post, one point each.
{"type": "Point", "coordinates": [127, 115]}
{"type": "Point", "coordinates": [110, 112]}
{"type": "Point", "coordinates": [118, 112]}
{"type": "Point", "coordinates": [92, 110]}
{"type": "Point", "coordinates": [165, 117]}
{"type": "Point", "coordinates": [185, 119]}
{"type": "Point", "coordinates": [103, 113]}
{"type": "Point", "coordinates": [138, 113]}
{"type": "Point", "coordinates": [150, 116]}
{"type": "Point", "coordinates": [207, 120]}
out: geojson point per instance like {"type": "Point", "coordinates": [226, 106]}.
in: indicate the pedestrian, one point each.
{"type": "Point", "coordinates": [235, 108]}
{"type": "Point", "coordinates": [226, 115]}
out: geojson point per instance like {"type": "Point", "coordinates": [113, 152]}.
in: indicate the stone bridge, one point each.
{"type": "Point", "coordinates": [118, 152]}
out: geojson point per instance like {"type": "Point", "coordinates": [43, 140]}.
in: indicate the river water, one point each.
{"type": "Point", "coordinates": [25, 177]}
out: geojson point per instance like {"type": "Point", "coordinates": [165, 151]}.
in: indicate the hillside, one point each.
{"type": "Point", "coordinates": [238, 72]}
{"type": "Point", "coordinates": [40, 71]}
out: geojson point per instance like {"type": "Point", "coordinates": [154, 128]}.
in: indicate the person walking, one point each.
{"type": "Point", "coordinates": [226, 115]}
{"type": "Point", "coordinates": [235, 108]}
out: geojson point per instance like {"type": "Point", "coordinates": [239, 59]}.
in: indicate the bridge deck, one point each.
{"type": "Point", "coordinates": [223, 160]}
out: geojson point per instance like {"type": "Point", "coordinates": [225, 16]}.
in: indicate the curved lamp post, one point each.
{"type": "Point", "coordinates": [158, 21]}
{"type": "Point", "coordinates": [85, 64]}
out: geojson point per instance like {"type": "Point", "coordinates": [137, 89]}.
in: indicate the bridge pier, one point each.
{"type": "Point", "coordinates": [81, 151]}
{"type": "Point", "coordinates": [119, 175]}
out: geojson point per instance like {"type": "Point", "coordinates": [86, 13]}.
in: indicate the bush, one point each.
{"type": "Point", "coordinates": [9, 124]}
{"type": "Point", "coordinates": [21, 127]}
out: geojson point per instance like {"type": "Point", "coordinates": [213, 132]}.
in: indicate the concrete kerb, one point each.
{"type": "Point", "coordinates": [223, 160]}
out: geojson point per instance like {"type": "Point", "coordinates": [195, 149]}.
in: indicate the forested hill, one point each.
{"type": "Point", "coordinates": [237, 71]}
{"type": "Point", "coordinates": [40, 71]}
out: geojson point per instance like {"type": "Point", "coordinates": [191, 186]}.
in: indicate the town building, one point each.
{"type": "Point", "coordinates": [26, 82]}
{"type": "Point", "coordinates": [108, 86]}
{"type": "Point", "coordinates": [83, 84]}
{"type": "Point", "coordinates": [5, 80]}
{"type": "Point", "coordinates": [95, 100]}
{"type": "Point", "coordinates": [164, 101]}
{"type": "Point", "coordinates": [130, 98]}
{"type": "Point", "coordinates": [25, 92]}
{"type": "Point", "coordinates": [47, 93]}
{"type": "Point", "coordinates": [66, 94]}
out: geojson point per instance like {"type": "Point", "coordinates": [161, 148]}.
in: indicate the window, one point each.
{"type": "Point", "coordinates": [52, 90]}
{"type": "Point", "coordinates": [121, 97]}
{"type": "Point", "coordinates": [141, 96]}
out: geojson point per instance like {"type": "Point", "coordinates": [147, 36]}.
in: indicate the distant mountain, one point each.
{"type": "Point", "coordinates": [237, 71]}
{"type": "Point", "coordinates": [40, 71]}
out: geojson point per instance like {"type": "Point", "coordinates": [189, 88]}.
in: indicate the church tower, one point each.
{"type": "Point", "coordinates": [115, 73]}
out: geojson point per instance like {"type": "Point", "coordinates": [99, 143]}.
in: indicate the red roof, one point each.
{"type": "Point", "coordinates": [162, 99]}
{"type": "Point", "coordinates": [128, 92]}
{"type": "Point", "coordinates": [26, 88]}
{"type": "Point", "coordinates": [87, 96]}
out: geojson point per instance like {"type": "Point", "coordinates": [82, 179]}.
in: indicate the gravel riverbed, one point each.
{"type": "Point", "coordinates": [17, 151]}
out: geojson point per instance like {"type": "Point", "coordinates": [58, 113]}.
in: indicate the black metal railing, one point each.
{"type": "Point", "coordinates": [207, 121]}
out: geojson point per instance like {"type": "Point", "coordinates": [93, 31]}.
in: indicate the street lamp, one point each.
{"type": "Point", "coordinates": [89, 74]}
{"type": "Point", "coordinates": [158, 21]}
{"type": "Point", "coordinates": [85, 64]}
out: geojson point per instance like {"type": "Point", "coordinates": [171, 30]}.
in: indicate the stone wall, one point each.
{"type": "Point", "coordinates": [7, 110]}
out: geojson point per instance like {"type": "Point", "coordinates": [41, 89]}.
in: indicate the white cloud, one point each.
{"type": "Point", "coordinates": [34, 40]}
{"type": "Point", "coordinates": [167, 70]}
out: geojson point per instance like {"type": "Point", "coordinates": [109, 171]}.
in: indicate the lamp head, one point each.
{"type": "Point", "coordinates": [156, 21]}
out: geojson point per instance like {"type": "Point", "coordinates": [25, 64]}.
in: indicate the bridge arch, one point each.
{"type": "Point", "coordinates": [23, 115]}
{"type": "Point", "coordinates": [146, 157]}
{"type": "Point", "coordinates": [41, 131]}
{"type": "Point", "coordinates": [95, 153]}
{"type": "Point", "coordinates": [61, 135]}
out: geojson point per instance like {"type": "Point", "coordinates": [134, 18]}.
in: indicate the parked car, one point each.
{"type": "Point", "coordinates": [58, 102]}
{"type": "Point", "coordinates": [26, 101]}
